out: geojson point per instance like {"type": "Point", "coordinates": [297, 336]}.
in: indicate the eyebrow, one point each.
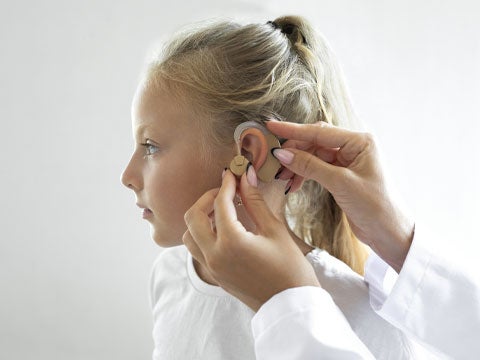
{"type": "Point", "coordinates": [153, 130]}
{"type": "Point", "coordinates": [142, 128]}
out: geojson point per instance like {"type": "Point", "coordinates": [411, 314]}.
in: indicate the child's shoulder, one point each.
{"type": "Point", "coordinates": [347, 288]}
{"type": "Point", "coordinates": [329, 267]}
{"type": "Point", "coordinates": [350, 293]}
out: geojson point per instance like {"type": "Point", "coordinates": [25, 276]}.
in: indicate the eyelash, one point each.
{"type": "Point", "coordinates": [148, 149]}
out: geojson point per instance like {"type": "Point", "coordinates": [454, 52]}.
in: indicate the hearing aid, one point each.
{"type": "Point", "coordinates": [268, 165]}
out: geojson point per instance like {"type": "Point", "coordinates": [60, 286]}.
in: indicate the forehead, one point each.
{"type": "Point", "coordinates": [155, 110]}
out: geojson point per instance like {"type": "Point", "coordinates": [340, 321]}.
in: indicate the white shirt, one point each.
{"type": "Point", "coordinates": [195, 320]}
{"type": "Point", "coordinates": [430, 299]}
{"type": "Point", "coordinates": [192, 319]}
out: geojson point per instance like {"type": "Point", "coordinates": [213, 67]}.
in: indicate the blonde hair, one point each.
{"type": "Point", "coordinates": [284, 69]}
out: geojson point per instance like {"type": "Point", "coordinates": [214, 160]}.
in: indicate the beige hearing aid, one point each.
{"type": "Point", "coordinates": [268, 164]}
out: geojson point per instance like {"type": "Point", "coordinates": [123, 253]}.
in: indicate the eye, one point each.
{"type": "Point", "coordinates": [150, 149]}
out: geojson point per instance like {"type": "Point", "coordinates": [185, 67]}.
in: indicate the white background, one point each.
{"type": "Point", "coordinates": [75, 254]}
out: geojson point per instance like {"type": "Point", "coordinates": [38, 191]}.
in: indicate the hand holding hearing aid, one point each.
{"type": "Point", "coordinates": [216, 243]}
{"type": "Point", "coordinates": [271, 252]}
{"type": "Point", "coordinates": [347, 164]}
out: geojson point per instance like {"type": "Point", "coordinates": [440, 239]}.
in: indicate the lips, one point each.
{"type": "Point", "coordinates": [146, 213]}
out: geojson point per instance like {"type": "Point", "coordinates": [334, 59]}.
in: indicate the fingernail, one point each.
{"type": "Point", "coordinates": [277, 175]}
{"type": "Point", "coordinates": [251, 176]}
{"type": "Point", "coordinates": [288, 186]}
{"type": "Point", "coordinates": [283, 155]}
{"type": "Point", "coordinates": [223, 173]}
{"type": "Point", "coordinates": [273, 149]}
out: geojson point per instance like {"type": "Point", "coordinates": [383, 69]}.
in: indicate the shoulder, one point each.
{"type": "Point", "coordinates": [350, 293]}
{"type": "Point", "coordinates": [347, 288]}
{"type": "Point", "coordinates": [334, 273]}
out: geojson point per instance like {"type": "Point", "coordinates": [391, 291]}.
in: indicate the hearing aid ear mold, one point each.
{"type": "Point", "coordinates": [269, 165]}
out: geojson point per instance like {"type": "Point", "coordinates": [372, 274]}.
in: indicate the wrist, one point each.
{"type": "Point", "coordinates": [256, 303]}
{"type": "Point", "coordinates": [396, 244]}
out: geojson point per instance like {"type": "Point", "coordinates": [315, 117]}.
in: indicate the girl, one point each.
{"type": "Point", "coordinates": [208, 80]}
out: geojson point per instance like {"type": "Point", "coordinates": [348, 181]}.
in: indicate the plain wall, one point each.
{"type": "Point", "coordinates": [75, 255]}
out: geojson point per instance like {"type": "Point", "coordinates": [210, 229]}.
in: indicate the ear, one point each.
{"type": "Point", "coordinates": [257, 147]}
{"type": "Point", "coordinates": [254, 147]}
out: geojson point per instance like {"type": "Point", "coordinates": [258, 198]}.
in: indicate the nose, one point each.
{"type": "Point", "coordinates": [131, 176]}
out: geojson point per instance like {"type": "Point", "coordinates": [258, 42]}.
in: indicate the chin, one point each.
{"type": "Point", "coordinates": [164, 238]}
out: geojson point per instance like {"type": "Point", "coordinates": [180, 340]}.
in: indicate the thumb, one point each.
{"type": "Point", "coordinates": [255, 204]}
{"type": "Point", "coordinates": [309, 166]}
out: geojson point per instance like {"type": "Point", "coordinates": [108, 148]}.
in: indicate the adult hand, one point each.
{"type": "Point", "coordinates": [347, 164]}
{"type": "Point", "coordinates": [252, 267]}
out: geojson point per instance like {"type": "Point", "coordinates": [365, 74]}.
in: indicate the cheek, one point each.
{"type": "Point", "coordinates": [196, 179]}
{"type": "Point", "coordinates": [176, 185]}
{"type": "Point", "coordinates": [176, 188]}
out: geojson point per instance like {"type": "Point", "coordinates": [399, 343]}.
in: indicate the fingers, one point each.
{"type": "Point", "coordinates": [327, 155]}
{"type": "Point", "coordinates": [256, 206]}
{"type": "Point", "coordinates": [201, 237]}
{"type": "Point", "coordinates": [193, 247]}
{"type": "Point", "coordinates": [297, 182]}
{"type": "Point", "coordinates": [285, 174]}
{"type": "Point", "coordinates": [198, 221]}
{"type": "Point", "coordinates": [319, 134]}
{"type": "Point", "coordinates": [297, 144]}
{"type": "Point", "coordinates": [320, 151]}
{"type": "Point", "coordinates": [309, 166]}
{"type": "Point", "coordinates": [225, 213]}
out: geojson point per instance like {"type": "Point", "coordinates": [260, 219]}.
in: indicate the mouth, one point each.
{"type": "Point", "coordinates": [146, 212]}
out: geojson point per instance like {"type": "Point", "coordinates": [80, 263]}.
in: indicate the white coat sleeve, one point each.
{"type": "Point", "coordinates": [304, 323]}
{"type": "Point", "coordinates": [430, 300]}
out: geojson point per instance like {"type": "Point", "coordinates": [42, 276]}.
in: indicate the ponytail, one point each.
{"type": "Point", "coordinates": [316, 216]}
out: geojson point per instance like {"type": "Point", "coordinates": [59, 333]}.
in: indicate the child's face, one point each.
{"type": "Point", "coordinates": [167, 175]}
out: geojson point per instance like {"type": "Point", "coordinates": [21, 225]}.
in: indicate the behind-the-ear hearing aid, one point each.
{"type": "Point", "coordinates": [268, 164]}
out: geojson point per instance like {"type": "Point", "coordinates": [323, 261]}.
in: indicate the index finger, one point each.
{"type": "Point", "coordinates": [204, 205]}
{"type": "Point", "coordinates": [225, 212]}
{"type": "Point", "coordinates": [319, 134]}
{"type": "Point", "coordinates": [198, 221]}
